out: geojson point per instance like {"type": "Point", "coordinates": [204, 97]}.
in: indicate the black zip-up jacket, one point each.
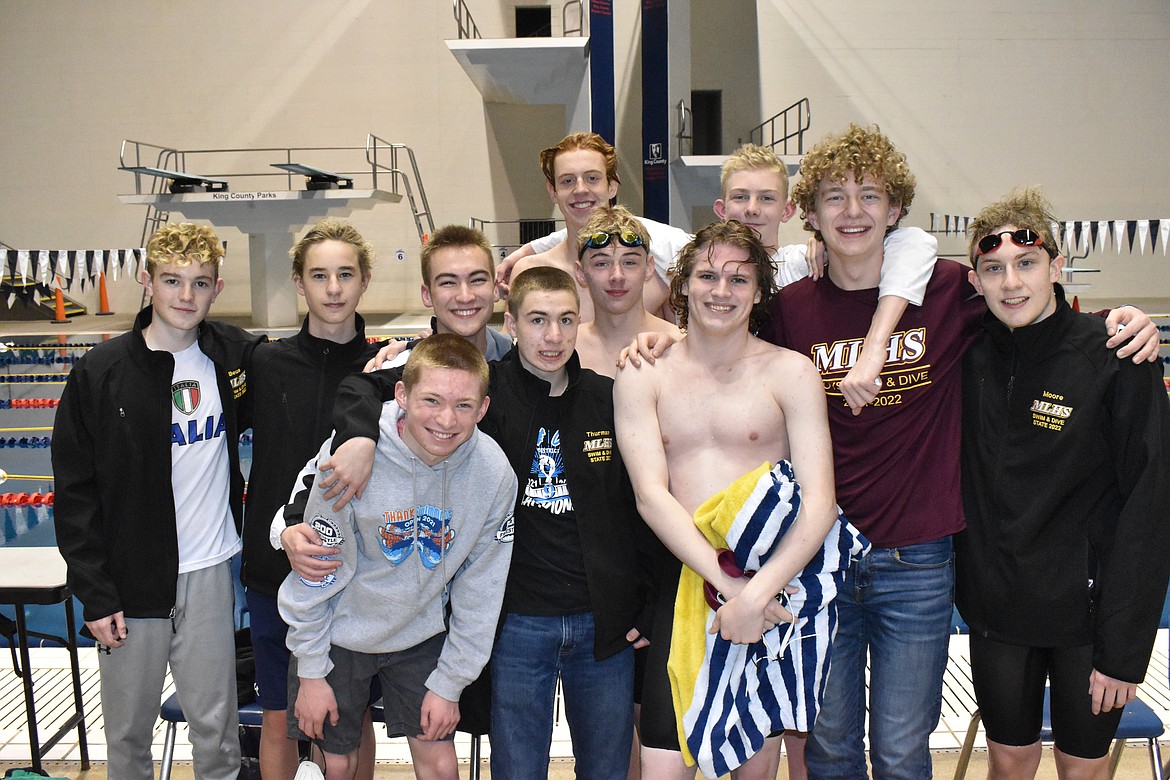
{"type": "Point", "coordinates": [293, 385]}
{"type": "Point", "coordinates": [621, 553]}
{"type": "Point", "coordinates": [614, 541]}
{"type": "Point", "coordinates": [115, 510]}
{"type": "Point", "coordinates": [1066, 479]}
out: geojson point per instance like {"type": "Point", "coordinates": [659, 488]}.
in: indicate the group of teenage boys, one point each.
{"type": "Point", "coordinates": [523, 512]}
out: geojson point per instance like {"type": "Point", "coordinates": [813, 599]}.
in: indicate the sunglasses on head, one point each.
{"type": "Point", "coordinates": [601, 239]}
{"type": "Point", "coordinates": [1021, 237]}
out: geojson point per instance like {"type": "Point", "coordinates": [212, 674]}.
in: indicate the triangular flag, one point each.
{"type": "Point", "coordinates": [1165, 235]}
{"type": "Point", "coordinates": [1119, 226]}
{"type": "Point", "coordinates": [1143, 226]}
{"type": "Point", "coordinates": [1077, 237]}
{"type": "Point", "coordinates": [82, 266]}
{"type": "Point", "coordinates": [1069, 242]}
{"type": "Point", "coordinates": [1153, 236]}
{"type": "Point", "coordinates": [22, 263]}
{"type": "Point", "coordinates": [1054, 232]}
{"type": "Point", "coordinates": [1084, 243]}
{"type": "Point", "coordinates": [1094, 227]}
{"type": "Point", "coordinates": [948, 219]}
{"type": "Point", "coordinates": [1103, 232]}
{"type": "Point", "coordinates": [1131, 231]}
{"type": "Point", "coordinates": [11, 299]}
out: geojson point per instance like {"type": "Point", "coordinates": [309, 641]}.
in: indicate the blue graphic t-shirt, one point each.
{"type": "Point", "coordinates": [547, 576]}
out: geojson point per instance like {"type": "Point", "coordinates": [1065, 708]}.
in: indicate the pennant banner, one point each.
{"type": "Point", "coordinates": [1081, 237]}
{"type": "Point", "coordinates": [73, 265]}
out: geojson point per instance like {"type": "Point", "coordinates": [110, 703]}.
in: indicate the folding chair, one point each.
{"type": "Point", "coordinates": [1138, 721]}
{"type": "Point", "coordinates": [252, 715]}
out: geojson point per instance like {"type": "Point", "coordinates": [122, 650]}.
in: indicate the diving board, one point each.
{"type": "Point", "coordinates": [316, 178]}
{"type": "Point", "coordinates": [181, 181]}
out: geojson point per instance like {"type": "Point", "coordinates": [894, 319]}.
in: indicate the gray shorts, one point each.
{"type": "Point", "coordinates": [403, 676]}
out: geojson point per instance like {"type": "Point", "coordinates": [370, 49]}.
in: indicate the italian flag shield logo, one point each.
{"type": "Point", "coordinates": [185, 396]}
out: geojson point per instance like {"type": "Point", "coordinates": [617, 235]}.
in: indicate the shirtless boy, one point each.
{"type": "Point", "coordinates": [613, 251]}
{"type": "Point", "coordinates": [679, 451]}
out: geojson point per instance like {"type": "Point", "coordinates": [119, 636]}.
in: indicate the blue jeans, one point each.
{"type": "Point", "coordinates": [528, 656]}
{"type": "Point", "coordinates": [895, 605]}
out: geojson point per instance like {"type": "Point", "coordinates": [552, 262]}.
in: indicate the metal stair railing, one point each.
{"type": "Point", "coordinates": [165, 157]}
{"type": "Point", "coordinates": [794, 122]}
{"type": "Point", "coordinates": [684, 128]}
{"type": "Point", "coordinates": [463, 20]}
{"type": "Point", "coordinates": [566, 31]}
{"type": "Point", "coordinates": [373, 145]}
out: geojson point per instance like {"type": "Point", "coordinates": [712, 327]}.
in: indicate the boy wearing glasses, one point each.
{"type": "Point", "coordinates": [1061, 579]}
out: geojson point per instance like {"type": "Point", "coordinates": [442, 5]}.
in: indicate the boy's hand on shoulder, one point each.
{"type": "Point", "coordinates": [648, 346]}
{"type": "Point", "coordinates": [816, 257]}
{"type": "Point", "coordinates": [386, 354]}
{"type": "Point", "coordinates": [345, 474]}
{"type": "Point", "coordinates": [1131, 324]}
{"type": "Point", "coordinates": [315, 702]}
{"type": "Point", "coordinates": [438, 718]}
{"type": "Point", "coordinates": [306, 555]}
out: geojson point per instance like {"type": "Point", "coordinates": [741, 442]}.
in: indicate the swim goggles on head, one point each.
{"type": "Point", "coordinates": [602, 239]}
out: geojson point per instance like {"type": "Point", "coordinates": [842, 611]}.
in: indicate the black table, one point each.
{"type": "Point", "coordinates": [36, 575]}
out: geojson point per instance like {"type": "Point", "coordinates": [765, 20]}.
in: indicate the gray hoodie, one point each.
{"type": "Point", "coordinates": [419, 537]}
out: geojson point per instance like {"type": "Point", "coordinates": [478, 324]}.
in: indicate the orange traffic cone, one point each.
{"type": "Point", "coordinates": [1076, 304]}
{"type": "Point", "coordinates": [60, 307]}
{"type": "Point", "coordinates": [103, 297]}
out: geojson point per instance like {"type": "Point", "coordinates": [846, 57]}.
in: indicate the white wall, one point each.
{"type": "Point", "coordinates": [984, 97]}
{"type": "Point", "coordinates": [80, 77]}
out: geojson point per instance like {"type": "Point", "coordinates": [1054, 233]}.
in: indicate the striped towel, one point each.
{"type": "Point", "coordinates": [728, 698]}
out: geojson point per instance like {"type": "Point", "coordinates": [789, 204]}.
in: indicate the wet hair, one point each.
{"type": "Point", "coordinates": [753, 157]}
{"type": "Point", "coordinates": [331, 229]}
{"type": "Point", "coordinates": [729, 233]}
{"type": "Point", "coordinates": [445, 350]}
{"type": "Point", "coordinates": [183, 243]}
{"type": "Point", "coordinates": [861, 151]}
{"type": "Point", "coordinates": [611, 219]}
{"type": "Point", "coordinates": [457, 236]}
{"type": "Point", "coordinates": [1026, 208]}
{"type": "Point", "coordinates": [540, 278]}
{"type": "Point", "coordinates": [590, 142]}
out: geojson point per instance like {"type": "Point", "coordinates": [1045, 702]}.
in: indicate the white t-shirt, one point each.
{"type": "Point", "coordinates": [199, 464]}
{"type": "Point", "coordinates": [910, 253]}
